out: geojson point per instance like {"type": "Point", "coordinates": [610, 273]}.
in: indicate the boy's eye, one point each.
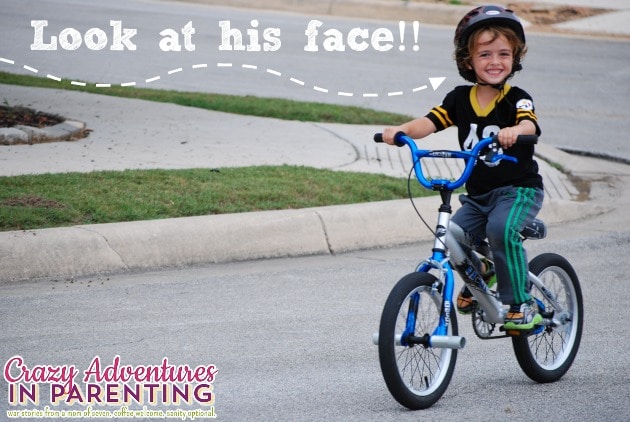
{"type": "Point", "coordinates": [503, 54]}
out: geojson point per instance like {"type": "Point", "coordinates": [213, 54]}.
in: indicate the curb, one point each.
{"type": "Point", "coordinates": [64, 131]}
{"type": "Point", "coordinates": [173, 243]}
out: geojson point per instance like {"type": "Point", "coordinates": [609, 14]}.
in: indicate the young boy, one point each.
{"type": "Point", "coordinates": [501, 199]}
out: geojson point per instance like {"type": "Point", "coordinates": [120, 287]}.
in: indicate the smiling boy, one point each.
{"type": "Point", "coordinates": [501, 199]}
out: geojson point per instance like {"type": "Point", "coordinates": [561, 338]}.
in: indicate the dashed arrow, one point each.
{"type": "Point", "coordinates": [435, 82]}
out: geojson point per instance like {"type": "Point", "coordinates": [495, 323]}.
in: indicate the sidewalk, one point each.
{"type": "Point", "coordinates": [173, 142]}
{"type": "Point", "coordinates": [614, 22]}
{"type": "Point", "coordinates": [135, 134]}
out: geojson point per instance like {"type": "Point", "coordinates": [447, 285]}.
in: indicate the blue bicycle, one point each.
{"type": "Point", "coordinates": [418, 335]}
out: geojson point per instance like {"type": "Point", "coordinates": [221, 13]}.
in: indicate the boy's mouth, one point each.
{"type": "Point", "coordinates": [494, 72]}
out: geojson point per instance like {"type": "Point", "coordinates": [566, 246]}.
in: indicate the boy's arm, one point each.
{"type": "Point", "coordinates": [416, 129]}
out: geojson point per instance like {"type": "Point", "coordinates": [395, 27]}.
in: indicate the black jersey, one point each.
{"type": "Point", "coordinates": [460, 108]}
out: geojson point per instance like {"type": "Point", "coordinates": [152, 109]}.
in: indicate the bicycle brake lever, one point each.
{"type": "Point", "coordinates": [494, 157]}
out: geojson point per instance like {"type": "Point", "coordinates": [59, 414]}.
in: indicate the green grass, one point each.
{"type": "Point", "coordinates": [245, 105]}
{"type": "Point", "coordinates": [56, 200]}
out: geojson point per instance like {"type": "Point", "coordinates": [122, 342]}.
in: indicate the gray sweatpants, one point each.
{"type": "Point", "coordinates": [499, 216]}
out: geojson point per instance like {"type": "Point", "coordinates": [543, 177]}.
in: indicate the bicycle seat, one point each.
{"type": "Point", "coordinates": [535, 230]}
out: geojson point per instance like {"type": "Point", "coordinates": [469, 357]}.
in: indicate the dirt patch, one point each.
{"type": "Point", "coordinates": [539, 13]}
{"type": "Point", "coordinates": [14, 116]}
{"type": "Point", "coordinates": [550, 14]}
{"type": "Point", "coordinates": [32, 201]}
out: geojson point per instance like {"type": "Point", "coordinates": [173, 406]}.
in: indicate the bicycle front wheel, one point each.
{"type": "Point", "coordinates": [415, 375]}
{"type": "Point", "coordinates": [548, 355]}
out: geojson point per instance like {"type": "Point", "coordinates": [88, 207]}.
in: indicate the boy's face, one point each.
{"type": "Point", "coordinates": [492, 59]}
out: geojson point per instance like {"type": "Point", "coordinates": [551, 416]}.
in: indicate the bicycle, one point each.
{"type": "Point", "coordinates": [418, 335]}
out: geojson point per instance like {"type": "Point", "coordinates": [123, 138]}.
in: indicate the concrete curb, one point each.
{"type": "Point", "coordinates": [64, 131]}
{"type": "Point", "coordinates": [123, 247]}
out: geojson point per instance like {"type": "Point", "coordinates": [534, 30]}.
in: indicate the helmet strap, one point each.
{"type": "Point", "coordinates": [498, 86]}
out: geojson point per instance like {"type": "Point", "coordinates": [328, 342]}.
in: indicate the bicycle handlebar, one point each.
{"type": "Point", "coordinates": [470, 157]}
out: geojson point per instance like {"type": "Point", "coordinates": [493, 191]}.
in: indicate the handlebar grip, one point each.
{"type": "Point", "coordinates": [527, 139]}
{"type": "Point", "coordinates": [378, 137]}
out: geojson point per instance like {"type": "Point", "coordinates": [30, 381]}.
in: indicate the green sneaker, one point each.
{"type": "Point", "coordinates": [523, 317]}
{"type": "Point", "coordinates": [491, 281]}
{"type": "Point", "coordinates": [490, 275]}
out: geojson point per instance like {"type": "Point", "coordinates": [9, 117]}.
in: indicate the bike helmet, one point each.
{"type": "Point", "coordinates": [480, 17]}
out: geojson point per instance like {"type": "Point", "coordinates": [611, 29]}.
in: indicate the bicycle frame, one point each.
{"type": "Point", "coordinates": [448, 255]}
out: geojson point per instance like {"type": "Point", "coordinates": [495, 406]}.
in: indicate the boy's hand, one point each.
{"type": "Point", "coordinates": [507, 136]}
{"type": "Point", "coordinates": [389, 133]}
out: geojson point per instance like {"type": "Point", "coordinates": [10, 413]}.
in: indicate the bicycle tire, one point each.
{"type": "Point", "coordinates": [547, 356]}
{"type": "Point", "coordinates": [416, 376]}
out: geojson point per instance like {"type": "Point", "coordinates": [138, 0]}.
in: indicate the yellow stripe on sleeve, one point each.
{"type": "Point", "coordinates": [442, 116]}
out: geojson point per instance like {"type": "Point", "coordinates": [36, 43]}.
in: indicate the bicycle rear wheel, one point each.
{"type": "Point", "coordinates": [548, 355]}
{"type": "Point", "coordinates": [415, 375]}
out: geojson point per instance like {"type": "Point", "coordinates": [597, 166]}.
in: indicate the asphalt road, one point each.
{"type": "Point", "coordinates": [580, 85]}
{"type": "Point", "coordinates": [292, 338]}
